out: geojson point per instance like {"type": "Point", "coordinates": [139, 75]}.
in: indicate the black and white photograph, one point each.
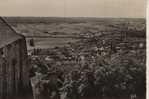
{"type": "Point", "coordinates": [73, 49]}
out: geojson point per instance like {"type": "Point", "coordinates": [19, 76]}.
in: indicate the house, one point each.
{"type": "Point", "coordinates": [14, 78]}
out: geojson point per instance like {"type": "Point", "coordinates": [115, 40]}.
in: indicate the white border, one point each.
{"type": "Point", "coordinates": [147, 55]}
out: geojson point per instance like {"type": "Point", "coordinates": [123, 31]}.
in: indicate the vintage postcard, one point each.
{"type": "Point", "coordinates": [73, 49]}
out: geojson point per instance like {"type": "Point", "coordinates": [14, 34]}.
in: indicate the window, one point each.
{"type": "Point", "coordinates": [2, 52]}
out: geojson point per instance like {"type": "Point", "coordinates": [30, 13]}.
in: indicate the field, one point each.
{"type": "Point", "coordinates": [51, 32]}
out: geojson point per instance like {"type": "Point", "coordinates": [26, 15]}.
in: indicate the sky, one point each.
{"type": "Point", "coordinates": [74, 8]}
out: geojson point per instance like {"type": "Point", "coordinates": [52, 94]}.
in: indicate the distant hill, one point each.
{"type": "Point", "coordinates": [46, 26]}
{"type": "Point", "coordinates": [68, 19]}
{"type": "Point", "coordinates": [65, 30]}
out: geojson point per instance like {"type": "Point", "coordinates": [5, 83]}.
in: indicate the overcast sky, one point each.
{"type": "Point", "coordinates": [74, 8]}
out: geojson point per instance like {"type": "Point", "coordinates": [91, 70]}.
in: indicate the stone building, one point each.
{"type": "Point", "coordinates": [14, 78]}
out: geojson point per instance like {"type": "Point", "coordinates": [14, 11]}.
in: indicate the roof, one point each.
{"type": "Point", "coordinates": [7, 33]}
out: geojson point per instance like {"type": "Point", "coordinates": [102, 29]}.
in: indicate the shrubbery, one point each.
{"type": "Point", "coordinates": [115, 73]}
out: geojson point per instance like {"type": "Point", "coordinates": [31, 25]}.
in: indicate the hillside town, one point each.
{"type": "Point", "coordinates": [98, 64]}
{"type": "Point", "coordinates": [95, 67]}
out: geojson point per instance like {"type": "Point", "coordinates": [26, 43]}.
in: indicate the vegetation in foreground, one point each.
{"type": "Point", "coordinates": [100, 66]}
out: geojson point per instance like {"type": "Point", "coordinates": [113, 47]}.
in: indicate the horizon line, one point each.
{"type": "Point", "coordinates": [75, 17]}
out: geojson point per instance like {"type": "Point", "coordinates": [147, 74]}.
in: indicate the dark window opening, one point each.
{"type": "Point", "coordinates": [2, 54]}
